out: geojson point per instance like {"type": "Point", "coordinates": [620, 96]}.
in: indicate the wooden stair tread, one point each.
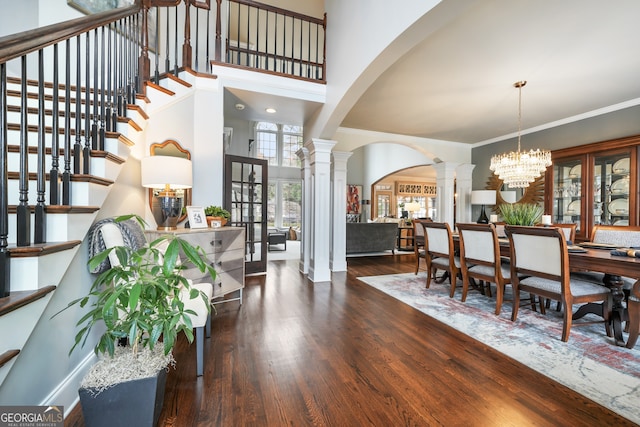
{"type": "Point", "coordinates": [74, 178]}
{"type": "Point", "coordinates": [18, 299]}
{"type": "Point", "coordinates": [40, 249]}
{"type": "Point", "coordinates": [58, 209]}
{"type": "Point", "coordinates": [7, 356]}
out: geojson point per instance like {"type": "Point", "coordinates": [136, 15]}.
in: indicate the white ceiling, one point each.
{"type": "Point", "coordinates": [578, 56]}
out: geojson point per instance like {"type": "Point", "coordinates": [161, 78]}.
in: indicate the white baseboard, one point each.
{"type": "Point", "coordinates": [66, 394]}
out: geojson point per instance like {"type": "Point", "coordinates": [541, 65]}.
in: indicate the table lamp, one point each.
{"type": "Point", "coordinates": [483, 197]}
{"type": "Point", "coordinates": [168, 174]}
{"type": "Point", "coordinates": [412, 208]}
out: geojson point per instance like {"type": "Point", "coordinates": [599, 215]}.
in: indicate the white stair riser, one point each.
{"type": "Point", "coordinates": [16, 328]}
{"type": "Point", "coordinates": [30, 273]}
{"type": "Point", "coordinates": [59, 228]}
{"type": "Point", "coordinates": [99, 165]}
{"type": "Point", "coordinates": [82, 193]}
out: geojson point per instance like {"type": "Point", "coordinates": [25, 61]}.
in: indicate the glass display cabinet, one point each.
{"type": "Point", "coordinates": [594, 184]}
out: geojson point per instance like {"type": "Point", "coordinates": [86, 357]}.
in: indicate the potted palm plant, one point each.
{"type": "Point", "coordinates": [138, 304]}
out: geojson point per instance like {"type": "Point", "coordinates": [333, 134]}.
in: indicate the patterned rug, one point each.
{"type": "Point", "coordinates": [588, 363]}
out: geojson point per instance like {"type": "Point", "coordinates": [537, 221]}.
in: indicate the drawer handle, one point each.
{"type": "Point", "coordinates": [216, 264]}
{"type": "Point", "coordinates": [216, 243]}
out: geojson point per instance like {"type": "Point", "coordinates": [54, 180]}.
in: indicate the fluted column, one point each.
{"type": "Point", "coordinates": [339, 183]}
{"type": "Point", "coordinates": [464, 185]}
{"type": "Point", "coordinates": [445, 180]}
{"type": "Point", "coordinates": [305, 175]}
{"type": "Point", "coordinates": [320, 181]}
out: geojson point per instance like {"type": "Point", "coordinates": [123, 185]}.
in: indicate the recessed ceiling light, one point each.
{"type": "Point", "coordinates": [239, 107]}
{"type": "Point", "coordinates": [270, 110]}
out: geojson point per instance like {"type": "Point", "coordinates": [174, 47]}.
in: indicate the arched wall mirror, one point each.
{"type": "Point", "coordinates": [534, 193]}
{"type": "Point", "coordinates": [174, 149]}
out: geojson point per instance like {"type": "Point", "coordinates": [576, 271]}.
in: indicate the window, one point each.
{"type": "Point", "coordinates": [292, 142]}
{"type": "Point", "coordinates": [288, 212]}
{"type": "Point", "coordinates": [267, 139]}
{"type": "Point", "coordinates": [278, 144]}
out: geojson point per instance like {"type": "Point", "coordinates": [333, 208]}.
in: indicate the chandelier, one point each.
{"type": "Point", "coordinates": [518, 169]}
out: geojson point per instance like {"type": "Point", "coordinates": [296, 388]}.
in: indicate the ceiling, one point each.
{"type": "Point", "coordinates": [579, 57]}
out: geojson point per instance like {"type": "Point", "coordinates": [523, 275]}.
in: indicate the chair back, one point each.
{"type": "Point", "coordinates": [438, 239]}
{"type": "Point", "coordinates": [616, 235]}
{"type": "Point", "coordinates": [479, 244]}
{"type": "Point", "coordinates": [538, 251]}
{"type": "Point", "coordinates": [569, 230]}
{"type": "Point", "coordinates": [418, 231]}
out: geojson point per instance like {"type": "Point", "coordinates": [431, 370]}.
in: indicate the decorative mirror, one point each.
{"type": "Point", "coordinates": [534, 193]}
{"type": "Point", "coordinates": [174, 149]}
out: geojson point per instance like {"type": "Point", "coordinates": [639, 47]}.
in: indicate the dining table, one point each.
{"type": "Point", "coordinates": [597, 258]}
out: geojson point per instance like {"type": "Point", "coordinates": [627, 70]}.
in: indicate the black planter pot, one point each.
{"type": "Point", "coordinates": [132, 403]}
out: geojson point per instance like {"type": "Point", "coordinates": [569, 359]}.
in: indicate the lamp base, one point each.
{"type": "Point", "coordinates": [166, 211]}
{"type": "Point", "coordinates": [483, 217]}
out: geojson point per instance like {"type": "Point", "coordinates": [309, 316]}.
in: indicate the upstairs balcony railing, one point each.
{"type": "Point", "coordinates": [64, 87]}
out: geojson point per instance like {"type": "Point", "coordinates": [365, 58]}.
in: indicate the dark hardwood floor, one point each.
{"type": "Point", "coordinates": [344, 354]}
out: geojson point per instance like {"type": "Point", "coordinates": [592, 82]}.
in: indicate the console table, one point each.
{"type": "Point", "coordinates": [405, 238]}
{"type": "Point", "coordinates": [224, 248]}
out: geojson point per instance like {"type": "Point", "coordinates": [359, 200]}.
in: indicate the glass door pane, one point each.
{"type": "Point", "coordinates": [611, 189]}
{"type": "Point", "coordinates": [567, 192]}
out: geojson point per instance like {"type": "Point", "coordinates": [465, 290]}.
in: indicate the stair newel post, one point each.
{"type": "Point", "coordinates": [23, 214]}
{"type": "Point", "coordinates": [111, 125]}
{"type": "Point", "coordinates": [103, 88]}
{"type": "Point", "coordinates": [218, 47]}
{"type": "Point", "coordinates": [4, 198]}
{"type": "Point", "coordinates": [95, 100]}
{"type": "Point", "coordinates": [186, 46]}
{"type": "Point", "coordinates": [39, 235]}
{"type": "Point", "coordinates": [87, 105]}
{"type": "Point", "coordinates": [54, 196]}
{"type": "Point", "coordinates": [67, 120]}
{"type": "Point", "coordinates": [144, 65]}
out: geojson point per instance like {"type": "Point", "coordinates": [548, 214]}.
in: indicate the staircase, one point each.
{"type": "Point", "coordinates": [37, 269]}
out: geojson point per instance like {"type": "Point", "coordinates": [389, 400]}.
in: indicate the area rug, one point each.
{"type": "Point", "coordinates": [588, 363]}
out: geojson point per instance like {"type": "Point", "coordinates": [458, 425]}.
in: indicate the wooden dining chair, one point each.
{"type": "Point", "coordinates": [569, 230]}
{"type": "Point", "coordinates": [480, 259]}
{"type": "Point", "coordinates": [540, 266]}
{"type": "Point", "coordinates": [418, 241]}
{"type": "Point", "coordinates": [440, 254]}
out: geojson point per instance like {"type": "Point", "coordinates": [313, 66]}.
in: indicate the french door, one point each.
{"type": "Point", "coordinates": [245, 190]}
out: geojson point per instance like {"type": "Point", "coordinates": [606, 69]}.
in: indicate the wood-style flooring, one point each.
{"type": "Point", "coordinates": [344, 354]}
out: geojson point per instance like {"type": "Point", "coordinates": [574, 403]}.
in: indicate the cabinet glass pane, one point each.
{"type": "Point", "coordinates": [611, 189]}
{"type": "Point", "coordinates": [567, 190]}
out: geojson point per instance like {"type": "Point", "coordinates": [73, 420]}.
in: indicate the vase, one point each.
{"type": "Point", "coordinates": [131, 403]}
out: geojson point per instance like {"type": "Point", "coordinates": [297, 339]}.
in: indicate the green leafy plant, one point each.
{"type": "Point", "coordinates": [217, 211]}
{"type": "Point", "coordinates": [521, 213]}
{"type": "Point", "coordinates": [139, 300]}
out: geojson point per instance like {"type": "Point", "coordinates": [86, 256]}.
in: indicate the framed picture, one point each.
{"type": "Point", "coordinates": [216, 224]}
{"type": "Point", "coordinates": [354, 194]}
{"type": "Point", "coordinates": [197, 218]}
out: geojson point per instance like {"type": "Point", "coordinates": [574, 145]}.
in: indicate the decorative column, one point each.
{"type": "Point", "coordinates": [320, 209]}
{"type": "Point", "coordinates": [464, 184]}
{"type": "Point", "coordinates": [445, 180]}
{"type": "Point", "coordinates": [305, 175]}
{"type": "Point", "coordinates": [339, 210]}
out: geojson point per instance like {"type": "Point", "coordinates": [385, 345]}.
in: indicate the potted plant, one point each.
{"type": "Point", "coordinates": [521, 213]}
{"type": "Point", "coordinates": [138, 302]}
{"type": "Point", "coordinates": [217, 213]}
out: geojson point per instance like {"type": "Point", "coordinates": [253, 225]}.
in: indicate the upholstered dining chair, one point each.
{"type": "Point", "coordinates": [480, 259]}
{"type": "Point", "coordinates": [569, 230]}
{"type": "Point", "coordinates": [418, 241]}
{"type": "Point", "coordinates": [440, 254]}
{"type": "Point", "coordinates": [540, 255]}
{"type": "Point", "coordinates": [633, 307]}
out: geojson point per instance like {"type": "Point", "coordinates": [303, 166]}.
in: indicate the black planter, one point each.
{"type": "Point", "coordinates": [132, 403]}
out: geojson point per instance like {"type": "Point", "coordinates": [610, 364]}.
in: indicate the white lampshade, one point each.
{"type": "Point", "coordinates": [412, 206]}
{"type": "Point", "coordinates": [158, 171]}
{"type": "Point", "coordinates": [483, 197]}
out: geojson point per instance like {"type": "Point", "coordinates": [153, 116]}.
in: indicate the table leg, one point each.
{"type": "Point", "coordinates": [618, 312]}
